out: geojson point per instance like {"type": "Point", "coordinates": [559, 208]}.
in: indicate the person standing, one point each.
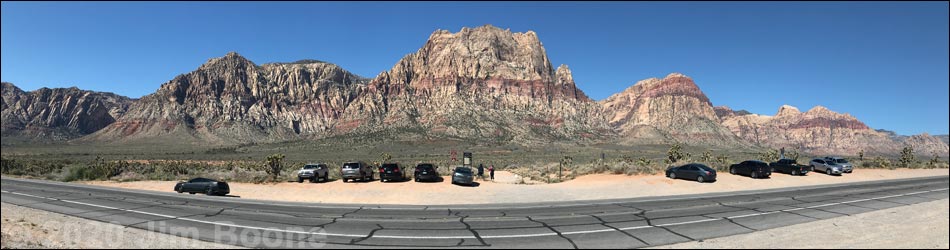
{"type": "Point", "coordinates": [491, 172]}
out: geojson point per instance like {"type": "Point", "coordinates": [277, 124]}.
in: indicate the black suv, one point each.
{"type": "Point", "coordinates": [426, 172]}
{"type": "Point", "coordinates": [392, 171]}
{"type": "Point", "coordinates": [754, 169]}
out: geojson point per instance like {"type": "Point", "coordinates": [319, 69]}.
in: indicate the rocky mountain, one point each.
{"type": "Point", "coordinates": [821, 131]}
{"type": "Point", "coordinates": [483, 82]}
{"type": "Point", "coordinates": [944, 138]}
{"type": "Point", "coordinates": [666, 110]}
{"type": "Point", "coordinates": [57, 114]}
{"type": "Point", "coordinates": [231, 100]}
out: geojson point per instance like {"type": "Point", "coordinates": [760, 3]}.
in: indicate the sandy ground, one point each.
{"type": "Point", "coordinates": [588, 187]}
{"type": "Point", "coordinates": [24, 227]}
{"type": "Point", "coordinates": [921, 225]}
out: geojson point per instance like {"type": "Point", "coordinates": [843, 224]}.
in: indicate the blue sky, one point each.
{"type": "Point", "coordinates": [884, 62]}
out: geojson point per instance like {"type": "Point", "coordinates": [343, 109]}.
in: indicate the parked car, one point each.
{"type": "Point", "coordinates": [203, 185]}
{"type": "Point", "coordinates": [846, 166]}
{"type": "Point", "coordinates": [694, 171]}
{"type": "Point", "coordinates": [825, 166]}
{"type": "Point", "coordinates": [426, 172]}
{"type": "Point", "coordinates": [789, 166]}
{"type": "Point", "coordinates": [463, 175]}
{"type": "Point", "coordinates": [313, 172]}
{"type": "Point", "coordinates": [754, 169]}
{"type": "Point", "coordinates": [392, 171]}
{"type": "Point", "coordinates": [356, 170]}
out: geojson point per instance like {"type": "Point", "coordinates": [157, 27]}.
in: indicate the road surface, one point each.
{"type": "Point", "coordinates": [622, 223]}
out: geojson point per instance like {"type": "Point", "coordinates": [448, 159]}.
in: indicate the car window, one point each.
{"type": "Point", "coordinates": [310, 167]}
{"type": "Point", "coordinates": [691, 168]}
{"type": "Point", "coordinates": [842, 161]}
{"type": "Point", "coordinates": [195, 180]}
{"type": "Point", "coordinates": [390, 166]}
{"type": "Point", "coordinates": [705, 168]}
{"type": "Point", "coordinates": [819, 161]}
{"type": "Point", "coordinates": [463, 170]}
{"type": "Point", "coordinates": [424, 167]}
{"type": "Point", "coordinates": [351, 166]}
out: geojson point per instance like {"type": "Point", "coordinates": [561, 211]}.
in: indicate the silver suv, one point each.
{"type": "Point", "coordinates": [825, 166]}
{"type": "Point", "coordinates": [356, 170]}
{"type": "Point", "coordinates": [313, 172]}
{"type": "Point", "coordinates": [846, 166]}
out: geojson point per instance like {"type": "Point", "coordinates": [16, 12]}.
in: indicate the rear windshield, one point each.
{"type": "Point", "coordinates": [463, 170]}
{"type": "Point", "coordinates": [390, 166]}
{"type": "Point", "coordinates": [424, 167]}
{"type": "Point", "coordinates": [351, 166]}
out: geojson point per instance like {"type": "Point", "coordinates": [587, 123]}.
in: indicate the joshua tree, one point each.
{"type": "Point", "coordinates": [674, 154]}
{"type": "Point", "coordinates": [274, 166]}
{"type": "Point", "coordinates": [707, 156]}
{"type": "Point", "coordinates": [907, 156]}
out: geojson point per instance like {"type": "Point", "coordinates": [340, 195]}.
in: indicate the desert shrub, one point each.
{"type": "Point", "coordinates": [770, 155]}
{"type": "Point", "coordinates": [675, 154]}
{"type": "Point", "coordinates": [274, 166]}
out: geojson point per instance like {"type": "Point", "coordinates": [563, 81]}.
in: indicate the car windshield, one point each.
{"type": "Point", "coordinates": [310, 167]}
{"type": "Point", "coordinates": [841, 161]}
{"type": "Point", "coordinates": [425, 167]}
{"type": "Point", "coordinates": [351, 166]}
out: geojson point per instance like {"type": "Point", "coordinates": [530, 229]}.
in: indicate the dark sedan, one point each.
{"type": "Point", "coordinates": [695, 171]}
{"type": "Point", "coordinates": [203, 185]}
{"type": "Point", "coordinates": [463, 175]}
{"type": "Point", "coordinates": [754, 169]}
{"type": "Point", "coordinates": [426, 172]}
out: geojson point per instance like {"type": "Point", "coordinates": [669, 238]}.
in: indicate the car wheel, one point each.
{"type": "Point", "coordinates": [191, 192]}
{"type": "Point", "coordinates": [345, 180]}
{"type": "Point", "coordinates": [299, 180]}
{"type": "Point", "coordinates": [794, 172]}
{"type": "Point", "coordinates": [672, 175]}
{"type": "Point", "coordinates": [732, 170]}
{"type": "Point", "coordinates": [828, 171]}
{"type": "Point", "coordinates": [209, 192]}
{"type": "Point", "coordinates": [754, 175]}
{"type": "Point", "coordinates": [700, 179]}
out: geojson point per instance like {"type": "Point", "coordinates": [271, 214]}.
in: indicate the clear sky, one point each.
{"type": "Point", "coordinates": [884, 62]}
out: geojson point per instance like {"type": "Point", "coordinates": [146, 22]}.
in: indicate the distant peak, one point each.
{"type": "Point", "coordinates": [819, 109]}
{"type": "Point", "coordinates": [787, 110]}
{"type": "Point", "coordinates": [563, 67]}
{"type": "Point", "coordinates": [230, 59]}
{"type": "Point", "coordinates": [676, 74]}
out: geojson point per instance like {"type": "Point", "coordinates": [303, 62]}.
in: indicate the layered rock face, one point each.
{"type": "Point", "coordinates": [231, 99]}
{"type": "Point", "coordinates": [822, 131]}
{"type": "Point", "coordinates": [666, 110]}
{"type": "Point", "coordinates": [479, 83]}
{"type": "Point", "coordinates": [58, 114]}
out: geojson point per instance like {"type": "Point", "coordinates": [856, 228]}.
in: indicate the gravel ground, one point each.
{"type": "Point", "coordinates": [24, 227]}
{"type": "Point", "coordinates": [923, 225]}
{"type": "Point", "coordinates": [590, 187]}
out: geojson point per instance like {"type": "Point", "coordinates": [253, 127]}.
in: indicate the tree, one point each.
{"type": "Point", "coordinates": [769, 155]}
{"type": "Point", "coordinates": [707, 156]}
{"type": "Point", "coordinates": [674, 154]}
{"type": "Point", "coordinates": [907, 156]}
{"type": "Point", "coordinates": [861, 155]}
{"type": "Point", "coordinates": [274, 166]}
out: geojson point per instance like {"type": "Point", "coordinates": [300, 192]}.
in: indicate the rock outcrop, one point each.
{"type": "Point", "coordinates": [57, 114]}
{"type": "Point", "coordinates": [672, 109]}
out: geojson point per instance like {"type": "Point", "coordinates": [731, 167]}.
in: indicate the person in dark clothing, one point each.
{"type": "Point", "coordinates": [481, 171]}
{"type": "Point", "coordinates": [491, 172]}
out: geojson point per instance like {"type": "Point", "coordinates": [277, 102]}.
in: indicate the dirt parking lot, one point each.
{"type": "Point", "coordinates": [590, 187]}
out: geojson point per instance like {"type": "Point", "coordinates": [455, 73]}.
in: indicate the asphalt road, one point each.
{"type": "Point", "coordinates": [622, 223]}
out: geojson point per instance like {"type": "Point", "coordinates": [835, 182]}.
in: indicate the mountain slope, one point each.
{"type": "Point", "coordinates": [57, 114]}
{"type": "Point", "coordinates": [667, 110]}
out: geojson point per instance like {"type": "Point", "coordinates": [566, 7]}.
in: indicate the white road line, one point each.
{"type": "Point", "coordinates": [463, 237]}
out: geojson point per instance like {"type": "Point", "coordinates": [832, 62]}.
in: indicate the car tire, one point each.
{"type": "Point", "coordinates": [732, 171]}
{"type": "Point", "coordinates": [795, 172]}
{"type": "Point", "coordinates": [209, 192]}
{"type": "Point", "coordinates": [191, 192]}
{"type": "Point", "coordinates": [754, 175]}
{"type": "Point", "coordinates": [828, 171]}
{"type": "Point", "coordinates": [700, 179]}
{"type": "Point", "coordinates": [345, 180]}
{"type": "Point", "coordinates": [299, 180]}
{"type": "Point", "coordinates": [673, 176]}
